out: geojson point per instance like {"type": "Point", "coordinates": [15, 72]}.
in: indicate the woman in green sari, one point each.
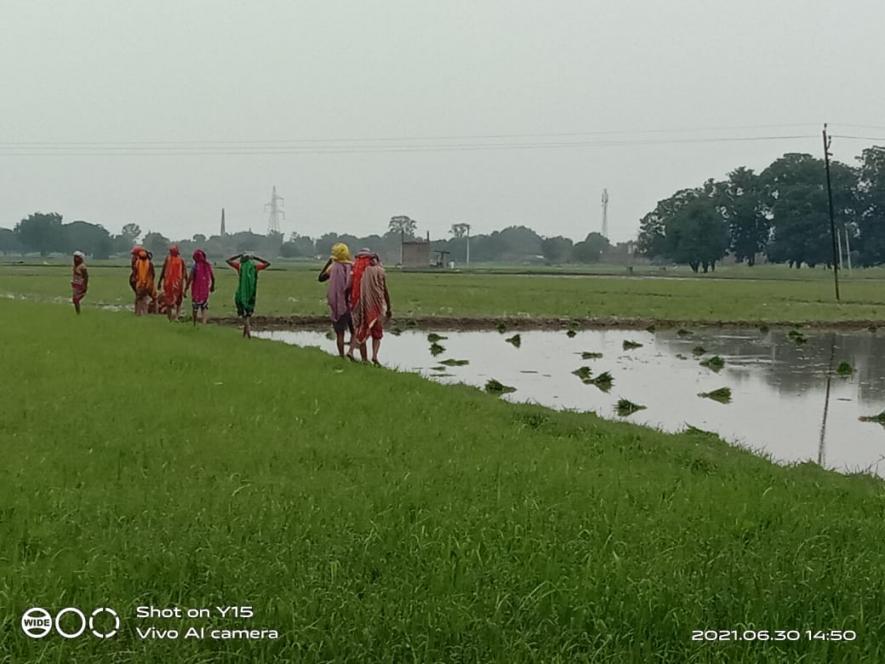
{"type": "Point", "coordinates": [247, 267]}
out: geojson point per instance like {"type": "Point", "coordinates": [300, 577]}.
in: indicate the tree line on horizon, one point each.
{"type": "Point", "coordinates": [780, 213]}
{"type": "Point", "coordinates": [46, 233]}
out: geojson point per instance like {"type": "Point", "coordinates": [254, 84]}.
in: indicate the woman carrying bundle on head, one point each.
{"type": "Point", "coordinates": [337, 272]}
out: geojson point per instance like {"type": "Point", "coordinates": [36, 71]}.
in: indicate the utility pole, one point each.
{"type": "Point", "coordinates": [605, 213]}
{"type": "Point", "coordinates": [839, 248]}
{"type": "Point", "coordinates": [848, 250]}
{"type": "Point", "coordinates": [276, 212]}
{"type": "Point", "coordinates": [468, 243]}
{"type": "Point", "coordinates": [827, 142]}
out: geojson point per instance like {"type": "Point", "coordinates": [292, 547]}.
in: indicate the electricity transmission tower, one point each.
{"type": "Point", "coordinates": [605, 213]}
{"type": "Point", "coordinates": [276, 212]}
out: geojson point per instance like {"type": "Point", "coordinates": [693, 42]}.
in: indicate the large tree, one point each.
{"type": "Point", "coordinates": [130, 233]}
{"type": "Point", "coordinates": [796, 200]}
{"type": "Point", "coordinates": [41, 232]}
{"type": "Point", "coordinates": [688, 228]}
{"type": "Point", "coordinates": [9, 241]}
{"type": "Point", "coordinates": [88, 238]}
{"type": "Point", "coordinates": [156, 243]}
{"type": "Point", "coordinates": [459, 230]}
{"type": "Point", "coordinates": [652, 240]}
{"type": "Point", "coordinates": [743, 208]}
{"type": "Point", "coordinates": [697, 234]}
{"type": "Point", "coordinates": [871, 195]}
{"type": "Point", "coordinates": [590, 250]}
{"type": "Point", "coordinates": [556, 249]}
{"type": "Point", "coordinates": [402, 225]}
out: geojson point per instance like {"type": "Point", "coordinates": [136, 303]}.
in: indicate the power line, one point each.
{"type": "Point", "coordinates": [281, 149]}
{"type": "Point", "coordinates": [860, 138]}
{"type": "Point", "coordinates": [467, 137]}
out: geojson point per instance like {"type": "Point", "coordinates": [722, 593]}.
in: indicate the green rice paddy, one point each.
{"type": "Point", "coordinates": [369, 515]}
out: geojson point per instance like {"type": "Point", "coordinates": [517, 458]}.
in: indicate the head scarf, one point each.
{"type": "Point", "coordinates": [202, 277]}
{"type": "Point", "coordinates": [364, 258]}
{"type": "Point", "coordinates": [369, 255]}
{"type": "Point", "coordinates": [144, 279]}
{"type": "Point", "coordinates": [372, 304]}
{"type": "Point", "coordinates": [341, 253]}
{"type": "Point", "coordinates": [173, 274]}
{"type": "Point", "coordinates": [80, 255]}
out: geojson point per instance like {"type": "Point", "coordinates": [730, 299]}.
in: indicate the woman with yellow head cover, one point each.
{"type": "Point", "coordinates": [337, 272]}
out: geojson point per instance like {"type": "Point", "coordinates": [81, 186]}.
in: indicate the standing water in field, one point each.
{"type": "Point", "coordinates": [778, 388]}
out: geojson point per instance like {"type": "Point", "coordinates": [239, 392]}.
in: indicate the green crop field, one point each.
{"type": "Point", "coordinates": [154, 464]}
{"type": "Point", "coordinates": [764, 293]}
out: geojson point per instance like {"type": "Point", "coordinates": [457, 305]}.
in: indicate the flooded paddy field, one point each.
{"type": "Point", "coordinates": [794, 396]}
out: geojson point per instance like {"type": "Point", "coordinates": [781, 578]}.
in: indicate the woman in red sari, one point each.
{"type": "Point", "coordinates": [373, 306]}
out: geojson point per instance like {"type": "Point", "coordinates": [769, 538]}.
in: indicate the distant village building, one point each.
{"type": "Point", "coordinates": [416, 252]}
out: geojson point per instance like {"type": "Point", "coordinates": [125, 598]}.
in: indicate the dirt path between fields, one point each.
{"type": "Point", "coordinates": [546, 323]}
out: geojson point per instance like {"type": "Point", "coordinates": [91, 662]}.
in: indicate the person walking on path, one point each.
{"type": "Point", "coordinates": [371, 310]}
{"type": "Point", "coordinates": [361, 261]}
{"type": "Point", "coordinates": [201, 282]}
{"type": "Point", "coordinates": [337, 272]}
{"type": "Point", "coordinates": [79, 280]}
{"type": "Point", "coordinates": [142, 280]}
{"type": "Point", "coordinates": [247, 267]}
{"type": "Point", "coordinates": [172, 282]}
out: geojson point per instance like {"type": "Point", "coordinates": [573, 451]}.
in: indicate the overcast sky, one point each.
{"type": "Point", "coordinates": [253, 76]}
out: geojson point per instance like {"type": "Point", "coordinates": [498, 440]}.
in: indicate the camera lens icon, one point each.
{"type": "Point", "coordinates": [36, 622]}
{"type": "Point", "coordinates": [103, 622]}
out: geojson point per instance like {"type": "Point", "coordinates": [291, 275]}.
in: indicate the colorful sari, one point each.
{"type": "Point", "coordinates": [143, 271]}
{"type": "Point", "coordinates": [371, 308]}
{"type": "Point", "coordinates": [364, 259]}
{"type": "Point", "coordinates": [247, 287]}
{"type": "Point", "coordinates": [78, 282]}
{"type": "Point", "coordinates": [201, 279]}
{"type": "Point", "coordinates": [173, 278]}
{"type": "Point", "coordinates": [338, 273]}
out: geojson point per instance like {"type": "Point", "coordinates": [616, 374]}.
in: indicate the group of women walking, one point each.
{"type": "Point", "coordinates": [167, 293]}
{"type": "Point", "coordinates": [359, 301]}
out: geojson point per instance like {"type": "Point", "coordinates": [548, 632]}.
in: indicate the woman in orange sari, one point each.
{"type": "Point", "coordinates": [172, 282]}
{"type": "Point", "coordinates": [142, 281]}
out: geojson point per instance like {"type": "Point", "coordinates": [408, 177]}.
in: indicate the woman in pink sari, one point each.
{"type": "Point", "coordinates": [201, 281]}
{"type": "Point", "coordinates": [337, 272]}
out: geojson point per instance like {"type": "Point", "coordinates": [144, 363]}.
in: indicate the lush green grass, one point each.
{"type": "Point", "coordinates": [294, 290]}
{"type": "Point", "coordinates": [152, 463]}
